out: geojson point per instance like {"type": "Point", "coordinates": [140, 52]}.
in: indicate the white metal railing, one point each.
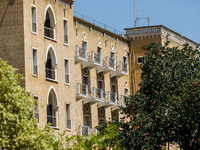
{"type": "Point", "coordinates": [113, 97]}
{"type": "Point", "coordinates": [67, 78]}
{"type": "Point", "coordinates": [34, 27]}
{"type": "Point", "coordinates": [49, 32]}
{"type": "Point", "coordinates": [97, 93]}
{"type": "Point", "coordinates": [35, 69]}
{"type": "Point", "coordinates": [123, 67]}
{"type": "Point", "coordinates": [82, 89]}
{"type": "Point", "coordinates": [66, 40]}
{"type": "Point", "coordinates": [68, 123]}
{"type": "Point", "coordinates": [84, 130]}
{"type": "Point", "coordinates": [81, 52]}
{"type": "Point", "coordinates": [50, 73]}
{"type": "Point", "coordinates": [96, 57]}
{"type": "Point", "coordinates": [144, 31]}
{"type": "Point", "coordinates": [51, 120]}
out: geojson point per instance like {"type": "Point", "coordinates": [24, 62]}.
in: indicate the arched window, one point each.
{"type": "Point", "coordinates": [51, 64]}
{"type": "Point", "coordinates": [49, 23]}
{"type": "Point", "coordinates": [52, 109]}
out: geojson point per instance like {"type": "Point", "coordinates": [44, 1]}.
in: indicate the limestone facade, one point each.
{"type": "Point", "coordinates": [79, 72]}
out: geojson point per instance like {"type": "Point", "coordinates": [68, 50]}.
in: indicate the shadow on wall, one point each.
{"type": "Point", "coordinates": [10, 3]}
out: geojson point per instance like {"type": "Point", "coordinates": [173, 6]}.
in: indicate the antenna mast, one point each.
{"type": "Point", "coordinates": [135, 20]}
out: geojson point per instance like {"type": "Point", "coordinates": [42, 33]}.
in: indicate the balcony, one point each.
{"type": "Point", "coordinates": [49, 33]}
{"type": "Point", "coordinates": [109, 65]}
{"type": "Point", "coordinates": [96, 96]}
{"type": "Point", "coordinates": [95, 60]}
{"type": "Point", "coordinates": [50, 74]}
{"type": "Point", "coordinates": [52, 120]}
{"type": "Point", "coordinates": [81, 55]}
{"type": "Point", "coordinates": [110, 101]}
{"type": "Point", "coordinates": [82, 91]}
{"type": "Point", "coordinates": [86, 131]}
{"type": "Point", "coordinates": [122, 69]}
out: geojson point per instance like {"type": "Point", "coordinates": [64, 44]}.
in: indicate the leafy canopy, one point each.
{"type": "Point", "coordinates": [166, 108]}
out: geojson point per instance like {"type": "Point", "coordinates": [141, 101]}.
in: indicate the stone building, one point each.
{"type": "Point", "coordinates": [78, 72]}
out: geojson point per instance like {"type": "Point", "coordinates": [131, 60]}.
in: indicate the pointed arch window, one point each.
{"type": "Point", "coordinates": [52, 109]}
{"type": "Point", "coordinates": [51, 65]}
{"type": "Point", "coordinates": [49, 23]}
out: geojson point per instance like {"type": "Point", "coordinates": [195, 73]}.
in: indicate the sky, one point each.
{"type": "Point", "coordinates": [182, 16]}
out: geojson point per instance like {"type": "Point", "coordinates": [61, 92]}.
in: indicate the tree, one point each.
{"type": "Point", "coordinates": [166, 108]}
{"type": "Point", "coordinates": [18, 128]}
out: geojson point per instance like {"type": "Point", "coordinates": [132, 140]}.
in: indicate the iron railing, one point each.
{"type": "Point", "coordinates": [51, 120]}
{"type": "Point", "coordinates": [66, 40]}
{"type": "Point", "coordinates": [97, 23]}
{"type": "Point", "coordinates": [68, 123]}
{"type": "Point", "coordinates": [67, 78]}
{"type": "Point", "coordinates": [84, 130]}
{"type": "Point", "coordinates": [35, 69]}
{"type": "Point", "coordinates": [82, 89]}
{"type": "Point", "coordinates": [50, 73]}
{"type": "Point", "coordinates": [49, 32]}
{"type": "Point", "coordinates": [34, 28]}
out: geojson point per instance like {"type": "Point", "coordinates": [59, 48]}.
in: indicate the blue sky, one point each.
{"type": "Point", "coordinates": [182, 16]}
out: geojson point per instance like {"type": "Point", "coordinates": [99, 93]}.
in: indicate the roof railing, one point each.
{"type": "Point", "coordinates": [97, 23]}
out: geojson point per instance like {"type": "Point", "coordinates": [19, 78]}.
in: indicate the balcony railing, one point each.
{"type": "Point", "coordinates": [36, 115]}
{"type": "Point", "coordinates": [50, 73]}
{"type": "Point", "coordinates": [84, 130]}
{"type": "Point", "coordinates": [97, 93]}
{"type": "Point", "coordinates": [144, 31]}
{"type": "Point", "coordinates": [35, 70]}
{"type": "Point", "coordinates": [82, 89]}
{"type": "Point", "coordinates": [81, 52]}
{"type": "Point", "coordinates": [66, 40]}
{"type": "Point", "coordinates": [97, 58]}
{"type": "Point", "coordinates": [51, 120]}
{"type": "Point", "coordinates": [68, 123]}
{"type": "Point", "coordinates": [125, 67]}
{"type": "Point", "coordinates": [49, 32]}
{"type": "Point", "coordinates": [67, 78]}
{"type": "Point", "coordinates": [34, 27]}
{"type": "Point", "coordinates": [113, 97]}
{"type": "Point", "coordinates": [112, 63]}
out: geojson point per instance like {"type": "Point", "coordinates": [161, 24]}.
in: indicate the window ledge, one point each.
{"type": "Point", "coordinates": [68, 130]}
{"type": "Point", "coordinates": [55, 128]}
{"type": "Point", "coordinates": [51, 80]}
{"type": "Point", "coordinates": [67, 84]}
{"type": "Point", "coordinates": [65, 44]}
{"type": "Point", "coordinates": [50, 39]}
{"type": "Point", "coordinates": [35, 33]}
{"type": "Point", "coordinates": [34, 75]}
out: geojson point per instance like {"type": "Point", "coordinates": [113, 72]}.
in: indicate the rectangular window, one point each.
{"type": "Point", "coordinates": [112, 60]}
{"type": "Point", "coordinates": [66, 71]}
{"type": "Point", "coordinates": [68, 117]}
{"type": "Point", "coordinates": [140, 59]}
{"type": "Point", "coordinates": [65, 30]}
{"type": "Point", "coordinates": [125, 64]}
{"type": "Point", "coordinates": [36, 107]}
{"type": "Point", "coordinates": [33, 19]}
{"type": "Point", "coordinates": [35, 63]}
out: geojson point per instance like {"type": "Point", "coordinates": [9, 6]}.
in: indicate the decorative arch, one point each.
{"type": "Point", "coordinates": [49, 22]}
{"type": "Point", "coordinates": [52, 107]}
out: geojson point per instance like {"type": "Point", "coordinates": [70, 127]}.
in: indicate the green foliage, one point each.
{"type": "Point", "coordinates": [107, 138]}
{"type": "Point", "coordinates": [166, 107]}
{"type": "Point", "coordinates": [18, 129]}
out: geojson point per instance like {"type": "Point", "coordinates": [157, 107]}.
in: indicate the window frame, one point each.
{"type": "Point", "coordinates": [34, 112]}
{"type": "Point", "coordinates": [66, 59]}
{"type": "Point", "coordinates": [33, 6]}
{"type": "Point", "coordinates": [69, 107]}
{"type": "Point", "coordinates": [36, 49]}
{"type": "Point", "coordinates": [65, 19]}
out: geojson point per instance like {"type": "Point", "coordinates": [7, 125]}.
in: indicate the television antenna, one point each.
{"type": "Point", "coordinates": [136, 19]}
